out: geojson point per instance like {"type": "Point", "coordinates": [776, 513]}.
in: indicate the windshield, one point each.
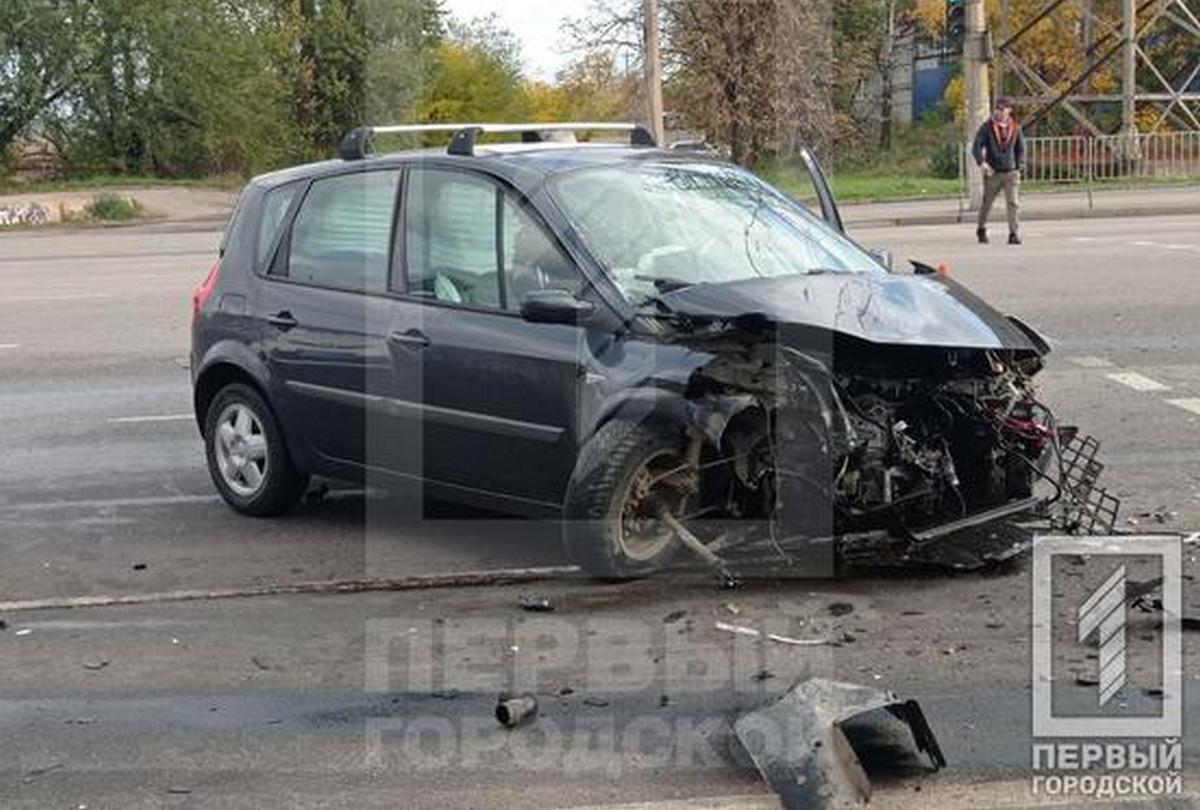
{"type": "Point", "coordinates": [662, 226]}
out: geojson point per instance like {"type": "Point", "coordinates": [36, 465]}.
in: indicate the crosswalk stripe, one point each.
{"type": "Point", "coordinates": [1091, 361]}
{"type": "Point", "coordinates": [1190, 405]}
{"type": "Point", "coordinates": [1138, 382]}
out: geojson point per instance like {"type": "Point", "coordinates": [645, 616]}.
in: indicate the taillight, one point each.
{"type": "Point", "coordinates": [200, 294]}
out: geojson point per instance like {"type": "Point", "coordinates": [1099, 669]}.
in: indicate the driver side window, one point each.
{"type": "Point", "coordinates": [469, 242]}
{"type": "Point", "coordinates": [450, 232]}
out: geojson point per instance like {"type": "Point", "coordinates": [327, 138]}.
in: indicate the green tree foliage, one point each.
{"type": "Point", "coordinates": [476, 76]}
{"type": "Point", "coordinates": [40, 56]}
{"type": "Point", "coordinates": [174, 87]}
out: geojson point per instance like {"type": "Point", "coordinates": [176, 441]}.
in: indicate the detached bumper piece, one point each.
{"type": "Point", "coordinates": [1083, 507]}
{"type": "Point", "coordinates": [807, 745]}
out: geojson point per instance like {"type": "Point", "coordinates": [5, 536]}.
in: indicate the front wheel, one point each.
{"type": "Point", "coordinates": [247, 458]}
{"type": "Point", "coordinates": [627, 473]}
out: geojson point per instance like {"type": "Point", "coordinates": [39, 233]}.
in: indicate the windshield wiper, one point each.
{"type": "Point", "coordinates": [830, 271]}
{"type": "Point", "coordinates": [666, 284]}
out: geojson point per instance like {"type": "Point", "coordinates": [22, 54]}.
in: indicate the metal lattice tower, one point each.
{"type": "Point", "coordinates": [1127, 39]}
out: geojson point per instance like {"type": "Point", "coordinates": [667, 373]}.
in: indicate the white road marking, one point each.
{"type": "Point", "coordinates": [10, 345]}
{"type": "Point", "coordinates": [1083, 239]}
{"type": "Point", "coordinates": [171, 417]}
{"type": "Point", "coordinates": [1137, 381]}
{"type": "Point", "coordinates": [1180, 247]}
{"type": "Point", "coordinates": [1190, 405]}
{"type": "Point", "coordinates": [1091, 361]}
{"type": "Point", "coordinates": [1141, 243]}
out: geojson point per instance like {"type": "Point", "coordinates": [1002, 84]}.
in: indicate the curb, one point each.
{"type": "Point", "coordinates": [468, 579]}
{"type": "Point", "coordinates": [1026, 216]}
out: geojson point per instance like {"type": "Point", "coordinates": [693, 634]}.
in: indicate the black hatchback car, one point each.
{"type": "Point", "coordinates": [652, 343]}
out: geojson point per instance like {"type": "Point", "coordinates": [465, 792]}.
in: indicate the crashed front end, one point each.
{"type": "Point", "coordinates": [842, 444]}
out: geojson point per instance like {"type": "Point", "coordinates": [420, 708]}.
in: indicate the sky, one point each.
{"type": "Point", "coordinates": [536, 24]}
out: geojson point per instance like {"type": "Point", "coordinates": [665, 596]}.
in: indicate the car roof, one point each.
{"type": "Point", "coordinates": [545, 158]}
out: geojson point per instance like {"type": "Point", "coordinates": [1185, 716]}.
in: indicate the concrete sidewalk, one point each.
{"type": "Point", "coordinates": [1040, 205]}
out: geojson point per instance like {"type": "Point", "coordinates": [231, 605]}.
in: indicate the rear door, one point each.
{"type": "Point", "coordinates": [498, 396]}
{"type": "Point", "coordinates": [325, 313]}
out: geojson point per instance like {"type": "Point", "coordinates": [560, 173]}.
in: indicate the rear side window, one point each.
{"type": "Point", "coordinates": [274, 208]}
{"type": "Point", "coordinates": [341, 236]}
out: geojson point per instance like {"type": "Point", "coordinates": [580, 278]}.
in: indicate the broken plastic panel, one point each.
{"type": "Point", "coordinates": [802, 746]}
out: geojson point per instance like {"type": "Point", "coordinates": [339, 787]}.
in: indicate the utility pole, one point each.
{"type": "Point", "coordinates": [1000, 66]}
{"type": "Point", "coordinates": [1129, 72]}
{"type": "Point", "coordinates": [653, 70]}
{"type": "Point", "coordinates": [975, 72]}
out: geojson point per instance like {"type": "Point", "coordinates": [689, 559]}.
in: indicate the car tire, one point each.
{"type": "Point", "coordinates": [597, 497]}
{"type": "Point", "coordinates": [240, 433]}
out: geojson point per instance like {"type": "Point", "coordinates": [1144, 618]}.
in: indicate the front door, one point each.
{"type": "Point", "coordinates": [498, 395]}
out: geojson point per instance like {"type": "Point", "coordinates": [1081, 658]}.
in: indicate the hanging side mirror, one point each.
{"type": "Point", "coordinates": [555, 306]}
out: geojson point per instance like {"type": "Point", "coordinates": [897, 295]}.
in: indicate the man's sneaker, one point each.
{"type": "Point", "coordinates": [982, 234]}
{"type": "Point", "coordinates": [1013, 239]}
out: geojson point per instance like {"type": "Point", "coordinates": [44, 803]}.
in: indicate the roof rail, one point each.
{"type": "Point", "coordinates": [357, 143]}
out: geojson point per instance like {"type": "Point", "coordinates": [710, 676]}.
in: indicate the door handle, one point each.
{"type": "Point", "coordinates": [412, 338]}
{"type": "Point", "coordinates": [283, 320]}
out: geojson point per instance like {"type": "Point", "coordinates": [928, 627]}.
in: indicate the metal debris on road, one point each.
{"type": "Point", "coordinates": [536, 604]}
{"type": "Point", "coordinates": [800, 745]}
{"type": "Point", "coordinates": [742, 630]}
{"type": "Point", "coordinates": [514, 710]}
{"type": "Point", "coordinates": [95, 665]}
{"type": "Point", "coordinates": [24, 631]}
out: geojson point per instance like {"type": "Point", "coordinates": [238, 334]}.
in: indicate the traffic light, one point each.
{"type": "Point", "coordinates": [956, 25]}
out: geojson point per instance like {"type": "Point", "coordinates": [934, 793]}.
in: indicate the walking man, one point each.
{"type": "Point", "coordinates": [999, 149]}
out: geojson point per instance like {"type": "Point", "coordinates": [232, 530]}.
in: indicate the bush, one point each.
{"type": "Point", "coordinates": [943, 162]}
{"type": "Point", "coordinates": [109, 207]}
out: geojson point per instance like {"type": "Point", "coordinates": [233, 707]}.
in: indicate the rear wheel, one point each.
{"type": "Point", "coordinates": [625, 476]}
{"type": "Point", "coordinates": [247, 458]}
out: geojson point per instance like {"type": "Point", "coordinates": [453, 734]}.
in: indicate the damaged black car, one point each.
{"type": "Point", "coordinates": [655, 346]}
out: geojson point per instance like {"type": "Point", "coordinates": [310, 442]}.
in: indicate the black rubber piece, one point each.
{"type": "Point", "coordinates": [284, 485]}
{"type": "Point", "coordinates": [593, 504]}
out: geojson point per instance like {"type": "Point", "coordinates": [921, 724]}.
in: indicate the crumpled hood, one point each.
{"type": "Point", "coordinates": [914, 310]}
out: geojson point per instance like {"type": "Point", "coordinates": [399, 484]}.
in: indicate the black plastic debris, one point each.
{"type": "Point", "coordinates": [840, 608]}
{"type": "Point", "coordinates": [536, 604]}
{"type": "Point", "coordinates": [674, 616]}
{"type": "Point", "coordinates": [800, 744]}
{"type": "Point", "coordinates": [512, 710]}
{"type": "Point", "coordinates": [95, 665]}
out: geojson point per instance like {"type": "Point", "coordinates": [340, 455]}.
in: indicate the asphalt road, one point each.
{"type": "Point", "coordinates": [261, 702]}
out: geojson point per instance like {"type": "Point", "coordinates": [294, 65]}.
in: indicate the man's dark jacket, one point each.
{"type": "Point", "coordinates": [1003, 151]}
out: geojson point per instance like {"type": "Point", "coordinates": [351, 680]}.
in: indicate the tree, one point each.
{"type": "Point", "coordinates": [40, 59]}
{"type": "Point", "coordinates": [751, 73]}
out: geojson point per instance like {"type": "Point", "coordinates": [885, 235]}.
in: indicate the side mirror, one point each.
{"type": "Point", "coordinates": [883, 256]}
{"type": "Point", "coordinates": [555, 306]}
